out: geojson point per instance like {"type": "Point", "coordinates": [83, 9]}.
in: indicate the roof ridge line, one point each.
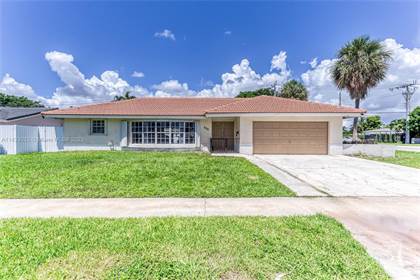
{"type": "Point", "coordinates": [310, 101]}
{"type": "Point", "coordinates": [144, 97]}
{"type": "Point", "coordinates": [328, 104]}
{"type": "Point", "coordinates": [234, 101]}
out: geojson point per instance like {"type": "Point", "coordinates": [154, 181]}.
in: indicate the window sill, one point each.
{"type": "Point", "coordinates": [163, 146]}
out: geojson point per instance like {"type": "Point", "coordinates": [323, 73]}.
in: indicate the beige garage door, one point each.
{"type": "Point", "coordinates": [290, 138]}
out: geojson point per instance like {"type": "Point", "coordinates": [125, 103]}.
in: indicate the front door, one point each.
{"type": "Point", "coordinates": [223, 136]}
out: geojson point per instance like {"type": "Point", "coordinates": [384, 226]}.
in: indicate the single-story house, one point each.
{"type": "Point", "coordinates": [259, 125]}
{"type": "Point", "coordinates": [26, 116]}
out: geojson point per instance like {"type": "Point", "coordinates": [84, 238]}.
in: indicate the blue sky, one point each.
{"type": "Point", "coordinates": [210, 37]}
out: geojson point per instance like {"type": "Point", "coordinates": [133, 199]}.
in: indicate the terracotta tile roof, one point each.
{"type": "Point", "coordinates": [200, 106]}
{"type": "Point", "coordinates": [271, 104]}
{"type": "Point", "coordinates": [149, 107]}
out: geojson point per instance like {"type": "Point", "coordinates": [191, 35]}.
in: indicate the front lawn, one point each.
{"type": "Point", "coordinates": [133, 174]}
{"type": "Point", "coordinates": [410, 159]}
{"type": "Point", "coordinates": [313, 247]}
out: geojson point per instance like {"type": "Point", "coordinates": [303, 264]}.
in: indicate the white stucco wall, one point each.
{"type": "Point", "coordinates": [335, 135]}
{"type": "Point", "coordinates": [376, 150]}
{"type": "Point", "coordinates": [77, 135]}
{"type": "Point", "coordinates": [204, 131]}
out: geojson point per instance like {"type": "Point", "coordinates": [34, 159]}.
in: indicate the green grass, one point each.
{"type": "Point", "coordinates": [313, 247]}
{"type": "Point", "coordinates": [410, 159]}
{"type": "Point", "coordinates": [133, 174]}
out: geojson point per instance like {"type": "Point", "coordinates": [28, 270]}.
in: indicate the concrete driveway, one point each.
{"type": "Point", "coordinates": [348, 176]}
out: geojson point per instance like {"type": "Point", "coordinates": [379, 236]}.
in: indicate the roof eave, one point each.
{"type": "Point", "coordinates": [104, 116]}
{"type": "Point", "coordinates": [23, 116]}
{"type": "Point", "coordinates": [295, 114]}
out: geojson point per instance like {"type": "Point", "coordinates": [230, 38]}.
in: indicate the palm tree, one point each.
{"type": "Point", "coordinates": [294, 89]}
{"type": "Point", "coordinates": [125, 96]}
{"type": "Point", "coordinates": [361, 64]}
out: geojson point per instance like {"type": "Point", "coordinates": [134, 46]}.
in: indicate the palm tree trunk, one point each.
{"type": "Point", "coordinates": [355, 120]}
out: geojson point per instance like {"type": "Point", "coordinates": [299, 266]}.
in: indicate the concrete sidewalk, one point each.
{"type": "Point", "coordinates": [157, 207]}
{"type": "Point", "coordinates": [409, 148]}
{"type": "Point", "coordinates": [388, 227]}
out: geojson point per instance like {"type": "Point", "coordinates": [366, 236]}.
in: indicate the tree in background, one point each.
{"type": "Point", "coordinates": [361, 64]}
{"type": "Point", "coordinates": [369, 123]}
{"type": "Point", "coordinates": [346, 132]}
{"type": "Point", "coordinates": [414, 122]}
{"type": "Point", "coordinates": [397, 125]}
{"type": "Point", "coordinates": [125, 96]}
{"type": "Point", "coordinates": [17, 101]}
{"type": "Point", "coordinates": [291, 89]}
{"type": "Point", "coordinates": [294, 89]}
{"type": "Point", "coordinates": [258, 92]}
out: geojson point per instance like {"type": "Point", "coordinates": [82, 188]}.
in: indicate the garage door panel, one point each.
{"type": "Point", "coordinates": [290, 137]}
{"type": "Point", "coordinates": [288, 142]}
{"type": "Point", "coordinates": [292, 134]}
{"type": "Point", "coordinates": [291, 125]}
{"type": "Point", "coordinates": [290, 149]}
{"type": "Point", "coordinates": [283, 139]}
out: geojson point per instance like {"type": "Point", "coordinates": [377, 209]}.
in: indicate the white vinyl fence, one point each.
{"type": "Point", "coordinates": [18, 139]}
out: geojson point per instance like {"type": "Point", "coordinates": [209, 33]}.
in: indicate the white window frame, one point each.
{"type": "Point", "coordinates": [163, 145]}
{"type": "Point", "coordinates": [97, 133]}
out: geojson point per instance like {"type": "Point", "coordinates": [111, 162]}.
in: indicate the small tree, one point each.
{"type": "Point", "coordinates": [346, 132]}
{"type": "Point", "coordinates": [397, 125]}
{"type": "Point", "coordinates": [294, 89]}
{"type": "Point", "coordinates": [125, 96]}
{"type": "Point", "coordinates": [258, 92]}
{"type": "Point", "coordinates": [369, 123]}
{"type": "Point", "coordinates": [414, 122]}
{"type": "Point", "coordinates": [18, 101]}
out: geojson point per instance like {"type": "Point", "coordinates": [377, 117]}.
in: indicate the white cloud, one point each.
{"type": "Point", "coordinates": [244, 78]}
{"type": "Point", "coordinates": [79, 90]}
{"type": "Point", "coordinates": [314, 62]}
{"type": "Point", "coordinates": [206, 83]}
{"type": "Point", "coordinates": [172, 88]}
{"type": "Point", "coordinates": [278, 62]}
{"type": "Point", "coordinates": [137, 74]}
{"type": "Point", "coordinates": [404, 67]}
{"type": "Point", "coordinates": [228, 32]}
{"type": "Point", "coordinates": [10, 86]}
{"type": "Point", "coordinates": [166, 34]}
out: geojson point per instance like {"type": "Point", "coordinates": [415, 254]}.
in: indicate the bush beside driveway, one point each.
{"type": "Point", "coordinates": [133, 174]}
